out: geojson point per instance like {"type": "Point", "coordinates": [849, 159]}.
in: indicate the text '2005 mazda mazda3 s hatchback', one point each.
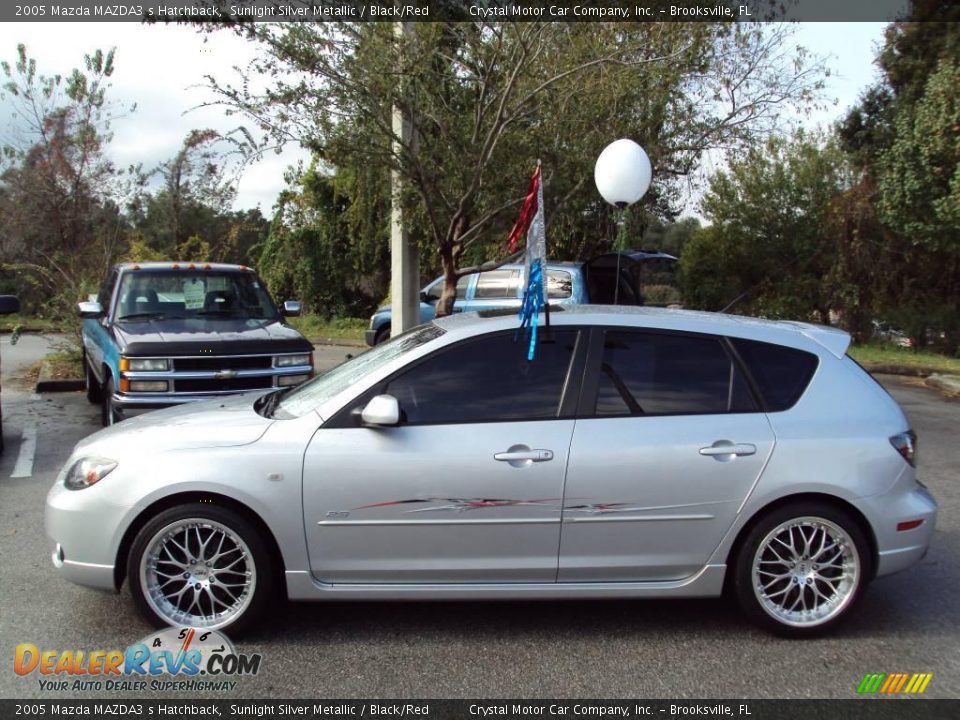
{"type": "Point", "coordinates": [642, 453]}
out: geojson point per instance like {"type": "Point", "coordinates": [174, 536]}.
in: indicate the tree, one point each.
{"type": "Point", "coordinates": [771, 241]}
{"type": "Point", "coordinates": [60, 193]}
{"type": "Point", "coordinates": [486, 100]}
{"type": "Point", "coordinates": [321, 247]}
{"type": "Point", "coordinates": [903, 135]}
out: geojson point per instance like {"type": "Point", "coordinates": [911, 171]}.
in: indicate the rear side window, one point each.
{"type": "Point", "coordinates": [498, 284]}
{"type": "Point", "coordinates": [781, 373]}
{"type": "Point", "coordinates": [559, 284]}
{"type": "Point", "coordinates": [664, 374]}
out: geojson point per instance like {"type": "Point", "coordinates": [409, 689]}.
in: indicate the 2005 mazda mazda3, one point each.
{"type": "Point", "coordinates": [642, 453]}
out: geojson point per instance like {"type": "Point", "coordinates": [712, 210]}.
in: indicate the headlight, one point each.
{"type": "Point", "coordinates": [88, 471]}
{"type": "Point", "coordinates": [291, 360]}
{"type": "Point", "coordinates": [144, 364]}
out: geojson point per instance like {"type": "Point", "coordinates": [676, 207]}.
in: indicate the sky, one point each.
{"type": "Point", "coordinates": [161, 69]}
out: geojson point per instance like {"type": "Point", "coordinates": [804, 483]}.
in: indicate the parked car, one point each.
{"type": "Point", "coordinates": [568, 283]}
{"type": "Point", "coordinates": [677, 451]}
{"type": "Point", "coordinates": [9, 304]}
{"type": "Point", "coordinates": [162, 334]}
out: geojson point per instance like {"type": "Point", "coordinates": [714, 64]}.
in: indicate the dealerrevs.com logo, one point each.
{"type": "Point", "coordinates": [197, 659]}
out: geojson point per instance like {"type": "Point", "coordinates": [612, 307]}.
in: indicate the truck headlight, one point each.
{"type": "Point", "coordinates": [291, 360]}
{"type": "Point", "coordinates": [144, 364]}
{"type": "Point", "coordinates": [88, 471]}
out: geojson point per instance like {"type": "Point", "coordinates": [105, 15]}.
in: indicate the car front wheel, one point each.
{"type": "Point", "coordinates": [201, 566]}
{"type": "Point", "coordinates": [801, 569]}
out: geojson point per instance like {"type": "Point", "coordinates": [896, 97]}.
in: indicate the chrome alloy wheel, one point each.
{"type": "Point", "coordinates": [197, 572]}
{"type": "Point", "coordinates": [806, 571]}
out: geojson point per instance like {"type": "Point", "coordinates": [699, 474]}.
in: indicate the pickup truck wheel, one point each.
{"type": "Point", "coordinates": [383, 334]}
{"type": "Point", "coordinates": [108, 416]}
{"type": "Point", "coordinates": [94, 391]}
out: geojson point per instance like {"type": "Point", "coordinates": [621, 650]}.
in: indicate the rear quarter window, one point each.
{"type": "Point", "coordinates": [781, 374]}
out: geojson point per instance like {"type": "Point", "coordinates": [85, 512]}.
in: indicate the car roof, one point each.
{"type": "Point", "coordinates": [173, 265]}
{"type": "Point", "coordinates": [786, 332]}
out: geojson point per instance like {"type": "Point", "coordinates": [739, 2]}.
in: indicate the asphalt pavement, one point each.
{"type": "Point", "coordinates": [589, 649]}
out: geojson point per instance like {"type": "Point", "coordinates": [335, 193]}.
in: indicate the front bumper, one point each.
{"type": "Point", "coordinates": [370, 337]}
{"type": "Point", "coordinates": [83, 533]}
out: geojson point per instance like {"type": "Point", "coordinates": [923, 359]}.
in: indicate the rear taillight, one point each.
{"type": "Point", "coordinates": [906, 444]}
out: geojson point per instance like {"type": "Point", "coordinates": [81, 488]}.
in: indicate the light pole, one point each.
{"type": "Point", "coordinates": [404, 250]}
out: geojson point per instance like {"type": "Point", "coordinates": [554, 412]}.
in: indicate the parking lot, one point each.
{"type": "Point", "coordinates": [597, 649]}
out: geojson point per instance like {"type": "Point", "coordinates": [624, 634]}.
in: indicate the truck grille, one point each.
{"type": "Point", "coordinates": [215, 363]}
{"type": "Point", "coordinates": [224, 385]}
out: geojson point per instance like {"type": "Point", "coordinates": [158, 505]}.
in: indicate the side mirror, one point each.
{"type": "Point", "coordinates": [291, 308]}
{"type": "Point", "coordinates": [90, 310]}
{"type": "Point", "coordinates": [381, 410]}
{"type": "Point", "coordinates": [9, 304]}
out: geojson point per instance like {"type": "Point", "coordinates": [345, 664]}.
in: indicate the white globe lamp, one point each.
{"type": "Point", "coordinates": [622, 173]}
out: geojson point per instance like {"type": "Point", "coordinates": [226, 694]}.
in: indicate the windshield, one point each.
{"type": "Point", "coordinates": [208, 294]}
{"type": "Point", "coordinates": [311, 395]}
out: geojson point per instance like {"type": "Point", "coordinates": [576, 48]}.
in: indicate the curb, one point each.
{"type": "Point", "coordinates": [895, 369]}
{"type": "Point", "coordinates": [47, 383]}
{"type": "Point", "coordinates": [338, 342]}
{"type": "Point", "coordinates": [948, 384]}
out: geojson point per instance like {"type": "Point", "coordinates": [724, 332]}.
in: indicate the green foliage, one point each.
{"type": "Point", "coordinates": [484, 101]}
{"type": "Point", "coordinates": [769, 241]}
{"type": "Point", "coordinates": [327, 245]}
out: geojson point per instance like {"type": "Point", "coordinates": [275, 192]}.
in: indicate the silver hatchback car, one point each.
{"type": "Point", "coordinates": [642, 453]}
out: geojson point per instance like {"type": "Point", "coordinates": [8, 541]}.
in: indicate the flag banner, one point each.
{"type": "Point", "coordinates": [532, 222]}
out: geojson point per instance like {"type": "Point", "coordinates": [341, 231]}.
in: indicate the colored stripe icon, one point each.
{"type": "Point", "coordinates": [894, 683]}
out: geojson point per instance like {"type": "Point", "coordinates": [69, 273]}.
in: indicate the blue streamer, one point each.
{"type": "Point", "coordinates": [530, 309]}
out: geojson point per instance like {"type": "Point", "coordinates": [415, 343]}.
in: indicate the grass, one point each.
{"type": "Point", "coordinates": [315, 327]}
{"type": "Point", "coordinates": [29, 323]}
{"type": "Point", "coordinates": [874, 354]}
{"type": "Point", "coordinates": [63, 365]}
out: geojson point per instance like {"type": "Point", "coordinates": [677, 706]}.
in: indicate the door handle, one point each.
{"type": "Point", "coordinates": [532, 455]}
{"type": "Point", "coordinates": [725, 448]}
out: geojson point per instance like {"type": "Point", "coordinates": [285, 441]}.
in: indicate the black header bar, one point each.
{"type": "Point", "coordinates": [228, 11]}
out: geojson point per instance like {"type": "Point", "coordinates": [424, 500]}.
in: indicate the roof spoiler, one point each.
{"type": "Point", "coordinates": [833, 339]}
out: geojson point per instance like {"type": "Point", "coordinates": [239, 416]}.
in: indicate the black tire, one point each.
{"type": "Point", "coordinates": [94, 391]}
{"type": "Point", "coordinates": [383, 334]}
{"type": "Point", "coordinates": [796, 576]}
{"type": "Point", "coordinates": [108, 416]}
{"type": "Point", "coordinates": [257, 595]}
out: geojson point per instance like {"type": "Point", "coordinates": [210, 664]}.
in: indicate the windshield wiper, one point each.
{"type": "Point", "coordinates": [142, 316]}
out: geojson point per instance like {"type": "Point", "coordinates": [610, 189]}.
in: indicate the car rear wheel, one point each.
{"type": "Point", "coordinates": [801, 569]}
{"type": "Point", "coordinates": [201, 566]}
{"type": "Point", "coordinates": [94, 391]}
{"type": "Point", "coordinates": [108, 416]}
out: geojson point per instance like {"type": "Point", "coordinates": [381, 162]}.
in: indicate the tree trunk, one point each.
{"type": "Point", "coordinates": [449, 295]}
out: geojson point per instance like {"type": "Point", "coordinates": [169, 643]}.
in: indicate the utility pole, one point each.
{"type": "Point", "coordinates": [404, 250]}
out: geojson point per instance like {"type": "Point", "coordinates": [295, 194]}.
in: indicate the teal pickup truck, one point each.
{"type": "Point", "coordinates": [591, 282]}
{"type": "Point", "coordinates": [161, 334]}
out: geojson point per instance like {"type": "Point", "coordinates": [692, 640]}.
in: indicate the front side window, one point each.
{"type": "Point", "coordinates": [311, 395]}
{"type": "Point", "coordinates": [487, 379]}
{"type": "Point", "coordinates": [645, 373]}
{"type": "Point", "coordinates": [435, 290]}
